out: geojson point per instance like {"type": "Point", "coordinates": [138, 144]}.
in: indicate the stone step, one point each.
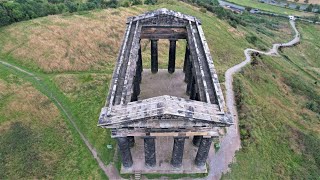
{"type": "Point", "coordinates": [137, 176]}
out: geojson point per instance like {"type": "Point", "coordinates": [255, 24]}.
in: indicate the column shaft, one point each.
{"type": "Point", "coordinates": [172, 56]}
{"type": "Point", "coordinates": [154, 56]}
{"type": "Point", "coordinates": [186, 58]}
{"type": "Point", "coordinates": [136, 89]}
{"type": "Point", "coordinates": [193, 90]}
{"type": "Point", "coordinates": [131, 141]}
{"type": "Point", "coordinates": [188, 70]}
{"type": "Point", "coordinates": [150, 151]}
{"type": "Point", "coordinates": [203, 151]}
{"type": "Point", "coordinates": [125, 152]}
{"type": "Point", "coordinates": [140, 59]}
{"type": "Point", "coordinates": [189, 77]}
{"type": "Point", "coordinates": [139, 66]}
{"type": "Point", "coordinates": [196, 140]}
{"type": "Point", "coordinates": [177, 152]}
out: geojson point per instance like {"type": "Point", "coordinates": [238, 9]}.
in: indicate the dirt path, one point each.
{"type": "Point", "coordinates": [230, 143]}
{"type": "Point", "coordinates": [109, 170]}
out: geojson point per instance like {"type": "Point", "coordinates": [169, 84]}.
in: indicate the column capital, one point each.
{"type": "Point", "coordinates": [180, 137]}
{"type": "Point", "coordinates": [173, 39]}
{"type": "Point", "coordinates": [148, 137]}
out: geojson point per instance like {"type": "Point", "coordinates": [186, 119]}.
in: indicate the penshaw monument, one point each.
{"type": "Point", "coordinates": [164, 121]}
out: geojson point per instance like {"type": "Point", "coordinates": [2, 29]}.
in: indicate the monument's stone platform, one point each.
{"type": "Point", "coordinates": [163, 155]}
{"type": "Point", "coordinates": [162, 83]}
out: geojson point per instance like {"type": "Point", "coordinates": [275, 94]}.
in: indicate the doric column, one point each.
{"type": "Point", "coordinates": [196, 140]}
{"type": "Point", "coordinates": [193, 90]}
{"type": "Point", "coordinates": [189, 77]}
{"type": "Point", "coordinates": [139, 65]}
{"type": "Point", "coordinates": [154, 55]}
{"type": "Point", "coordinates": [177, 152]}
{"type": "Point", "coordinates": [125, 152]}
{"type": "Point", "coordinates": [186, 70]}
{"type": "Point", "coordinates": [136, 89]}
{"type": "Point", "coordinates": [203, 151]}
{"type": "Point", "coordinates": [172, 56]}
{"type": "Point", "coordinates": [131, 141]}
{"type": "Point", "coordinates": [150, 151]}
{"type": "Point", "coordinates": [186, 59]}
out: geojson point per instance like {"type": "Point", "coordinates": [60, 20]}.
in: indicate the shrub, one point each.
{"type": "Point", "coordinates": [313, 106]}
{"type": "Point", "coordinates": [252, 39]}
{"type": "Point", "coordinates": [150, 2]}
{"type": "Point", "coordinates": [232, 23]}
{"type": "Point", "coordinates": [203, 10]}
{"type": "Point", "coordinates": [136, 2]}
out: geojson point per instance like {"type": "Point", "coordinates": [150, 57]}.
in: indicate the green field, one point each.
{"type": "Point", "coordinates": [270, 8]}
{"type": "Point", "coordinates": [75, 54]}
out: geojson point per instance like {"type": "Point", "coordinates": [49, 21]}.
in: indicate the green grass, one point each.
{"type": "Point", "coordinates": [36, 140]}
{"type": "Point", "coordinates": [83, 91]}
{"type": "Point", "coordinates": [270, 8]}
{"type": "Point", "coordinates": [280, 134]}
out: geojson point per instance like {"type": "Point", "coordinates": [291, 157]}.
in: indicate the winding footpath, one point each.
{"type": "Point", "coordinates": [109, 170]}
{"type": "Point", "coordinates": [230, 143]}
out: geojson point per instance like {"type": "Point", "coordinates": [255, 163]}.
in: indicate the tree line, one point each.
{"type": "Point", "coordinates": [12, 11]}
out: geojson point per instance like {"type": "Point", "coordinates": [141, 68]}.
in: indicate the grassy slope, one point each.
{"type": "Point", "coordinates": [79, 76]}
{"type": "Point", "coordinates": [280, 135]}
{"type": "Point", "coordinates": [35, 140]}
{"type": "Point", "coordinates": [270, 8]}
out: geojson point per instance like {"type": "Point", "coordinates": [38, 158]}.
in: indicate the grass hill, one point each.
{"type": "Point", "coordinates": [278, 103]}
{"type": "Point", "coordinates": [35, 140]}
{"type": "Point", "coordinates": [75, 55]}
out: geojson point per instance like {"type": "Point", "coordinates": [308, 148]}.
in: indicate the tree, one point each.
{"type": "Point", "coordinates": [112, 4]}
{"type": "Point", "coordinates": [306, 1]}
{"type": "Point", "coordinates": [15, 11]}
{"type": "Point", "coordinates": [309, 8]}
{"type": "Point", "coordinates": [72, 6]}
{"type": "Point", "coordinates": [4, 17]}
{"type": "Point", "coordinates": [150, 2]}
{"type": "Point", "coordinates": [315, 19]}
{"type": "Point", "coordinates": [136, 2]}
{"type": "Point", "coordinates": [296, 0]}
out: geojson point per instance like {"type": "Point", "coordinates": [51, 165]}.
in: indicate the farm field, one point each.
{"type": "Point", "coordinates": [310, 1]}
{"type": "Point", "coordinates": [270, 8]}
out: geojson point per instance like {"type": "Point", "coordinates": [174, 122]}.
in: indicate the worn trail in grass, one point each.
{"type": "Point", "coordinates": [231, 142]}
{"type": "Point", "coordinates": [108, 170]}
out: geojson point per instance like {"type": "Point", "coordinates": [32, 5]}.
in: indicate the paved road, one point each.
{"type": "Point", "coordinates": [231, 141]}
{"type": "Point", "coordinates": [109, 170]}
